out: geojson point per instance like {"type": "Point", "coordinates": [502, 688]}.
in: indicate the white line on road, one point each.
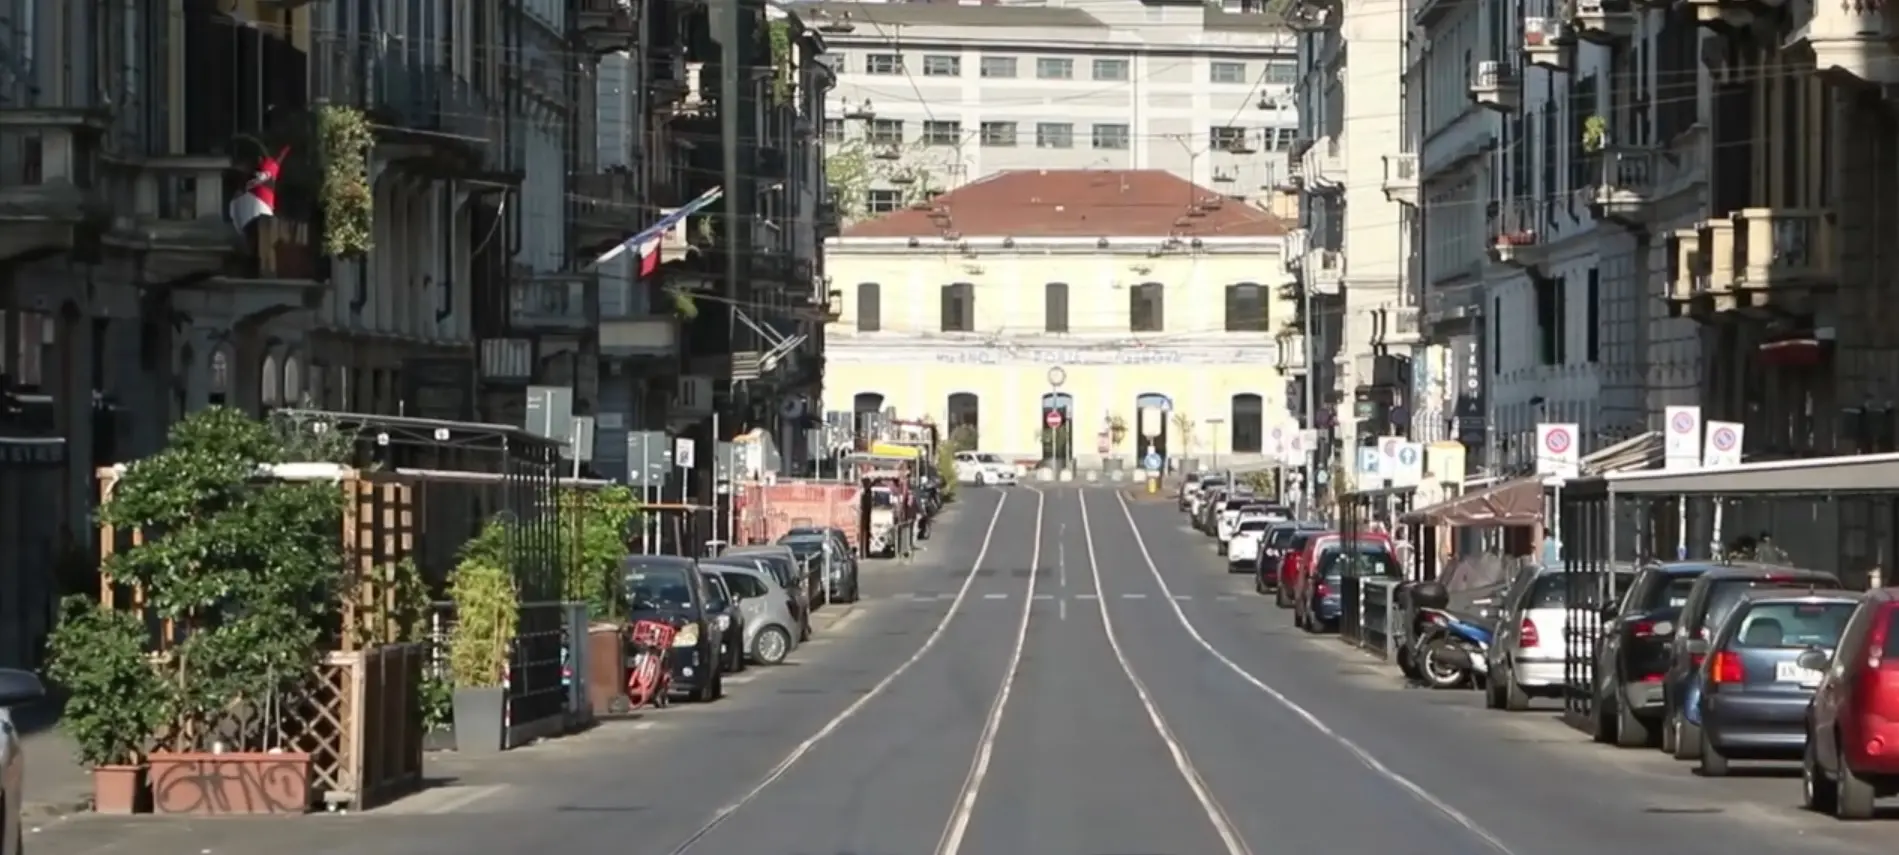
{"type": "Point", "coordinates": [776, 772]}
{"type": "Point", "coordinates": [1183, 596]}
{"type": "Point", "coordinates": [1365, 757]}
{"type": "Point", "coordinates": [958, 825]}
{"type": "Point", "coordinates": [995, 596]}
{"type": "Point", "coordinates": [1061, 569]}
{"type": "Point", "coordinates": [1133, 596]}
{"type": "Point", "coordinates": [1087, 596]}
{"type": "Point", "coordinates": [1216, 813]}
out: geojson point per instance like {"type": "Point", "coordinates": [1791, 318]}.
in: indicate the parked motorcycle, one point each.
{"type": "Point", "coordinates": [1450, 651]}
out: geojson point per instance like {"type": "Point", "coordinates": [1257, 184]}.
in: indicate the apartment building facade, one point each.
{"type": "Point", "coordinates": [932, 96]}
{"type": "Point", "coordinates": [1350, 254]}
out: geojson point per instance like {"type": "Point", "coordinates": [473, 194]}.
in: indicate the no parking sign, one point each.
{"type": "Point", "coordinates": [1724, 444]}
{"type": "Point", "coordinates": [1557, 451]}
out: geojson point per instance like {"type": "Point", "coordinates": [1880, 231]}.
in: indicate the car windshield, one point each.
{"type": "Point", "coordinates": [1791, 625]}
{"type": "Point", "coordinates": [1551, 590]}
{"type": "Point", "coordinates": [1672, 593]}
{"type": "Point", "coordinates": [1281, 536]}
{"type": "Point", "coordinates": [777, 565]}
{"type": "Point", "coordinates": [1366, 559]}
{"type": "Point", "coordinates": [1301, 540]}
{"type": "Point", "coordinates": [652, 587]}
{"type": "Point", "coordinates": [804, 546]}
{"type": "Point", "coordinates": [1254, 525]}
{"type": "Point", "coordinates": [988, 458]}
{"type": "Point", "coordinates": [1234, 505]}
{"type": "Point", "coordinates": [1209, 485]}
{"type": "Point", "coordinates": [1726, 593]}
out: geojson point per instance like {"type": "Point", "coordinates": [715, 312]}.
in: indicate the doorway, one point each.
{"type": "Point", "coordinates": [1058, 443]}
{"type": "Point", "coordinates": [1164, 407]}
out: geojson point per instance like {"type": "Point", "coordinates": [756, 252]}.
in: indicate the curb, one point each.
{"type": "Point", "coordinates": [54, 809]}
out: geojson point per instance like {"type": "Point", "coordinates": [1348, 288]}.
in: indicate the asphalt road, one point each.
{"type": "Point", "coordinates": [1062, 672]}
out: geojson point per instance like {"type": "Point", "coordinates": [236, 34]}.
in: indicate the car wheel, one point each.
{"type": "Point", "coordinates": [708, 689]}
{"type": "Point", "coordinates": [1816, 792]}
{"type": "Point", "coordinates": [1853, 797]}
{"type": "Point", "coordinates": [1493, 694]}
{"type": "Point", "coordinates": [1514, 698]}
{"type": "Point", "coordinates": [1259, 585]}
{"type": "Point", "coordinates": [1601, 724]}
{"type": "Point", "coordinates": [1630, 730]}
{"type": "Point", "coordinates": [771, 645]}
{"type": "Point", "coordinates": [1279, 597]}
{"type": "Point", "coordinates": [1668, 735]}
{"type": "Point", "coordinates": [1687, 739]}
{"type": "Point", "coordinates": [1713, 765]}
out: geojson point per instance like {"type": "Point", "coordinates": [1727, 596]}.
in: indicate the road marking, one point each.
{"type": "Point", "coordinates": [797, 753]}
{"type": "Point", "coordinates": [958, 825]}
{"type": "Point", "coordinates": [1043, 597]}
{"type": "Point", "coordinates": [1225, 598]}
{"type": "Point", "coordinates": [1183, 596]}
{"type": "Point", "coordinates": [1364, 757]}
{"type": "Point", "coordinates": [1061, 569]}
{"type": "Point", "coordinates": [996, 596]}
{"type": "Point", "coordinates": [1216, 813]}
{"type": "Point", "coordinates": [1133, 596]}
{"type": "Point", "coordinates": [1087, 596]}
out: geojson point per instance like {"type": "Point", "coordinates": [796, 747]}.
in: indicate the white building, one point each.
{"type": "Point", "coordinates": [934, 95]}
{"type": "Point", "coordinates": [1351, 252]}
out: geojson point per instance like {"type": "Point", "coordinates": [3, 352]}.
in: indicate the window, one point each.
{"type": "Point", "coordinates": [965, 419]}
{"type": "Point", "coordinates": [1111, 69]}
{"type": "Point", "coordinates": [834, 130]}
{"type": "Point", "coordinates": [959, 307]}
{"type": "Point", "coordinates": [883, 63]}
{"type": "Point", "coordinates": [1224, 137]}
{"type": "Point", "coordinates": [870, 307]}
{"type": "Point", "coordinates": [1054, 135]}
{"type": "Point", "coordinates": [1245, 308]}
{"type": "Point", "coordinates": [1227, 72]}
{"type": "Point", "coordinates": [998, 134]}
{"type": "Point", "coordinates": [1147, 307]}
{"type": "Point", "coordinates": [1248, 418]}
{"type": "Point", "coordinates": [1055, 307]}
{"type": "Point", "coordinates": [998, 66]}
{"type": "Point", "coordinates": [942, 65]}
{"type": "Point", "coordinates": [1053, 68]}
{"type": "Point", "coordinates": [1112, 137]}
{"type": "Point", "coordinates": [884, 132]}
{"type": "Point", "coordinates": [884, 201]}
{"type": "Point", "coordinates": [937, 132]}
{"type": "Point", "coordinates": [1280, 72]}
{"type": "Point", "coordinates": [744, 585]}
{"type": "Point", "coordinates": [1592, 307]}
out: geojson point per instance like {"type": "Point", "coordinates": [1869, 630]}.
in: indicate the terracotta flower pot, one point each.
{"type": "Point", "coordinates": [229, 784]}
{"type": "Point", "coordinates": [118, 790]}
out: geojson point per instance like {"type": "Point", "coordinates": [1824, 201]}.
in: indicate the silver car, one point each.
{"type": "Point", "coordinates": [770, 633]}
{"type": "Point", "coordinates": [802, 581]}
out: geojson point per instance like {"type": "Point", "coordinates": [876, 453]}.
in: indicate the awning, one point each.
{"type": "Point", "coordinates": [1518, 501]}
{"type": "Point", "coordinates": [1859, 473]}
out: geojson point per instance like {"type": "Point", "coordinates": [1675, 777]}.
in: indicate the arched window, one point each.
{"type": "Point", "coordinates": [220, 385]}
{"type": "Point", "coordinates": [1055, 307]}
{"type": "Point", "coordinates": [1248, 419]}
{"type": "Point", "coordinates": [293, 380]}
{"type": "Point", "coordinates": [271, 393]}
{"type": "Point", "coordinates": [870, 307]}
{"type": "Point", "coordinates": [1162, 409]}
{"type": "Point", "coordinates": [1246, 307]}
{"type": "Point", "coordinates": [866, 409]}
{"type": "Point", "coordinates": [965, 420]}
{"type": "Point", "coordinates": [1058, 444]}
{"type": "Point", "coordinates": [1147, 308]}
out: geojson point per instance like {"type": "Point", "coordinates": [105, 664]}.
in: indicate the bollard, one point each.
{"type": "Point", "coordinates": [1153, 484]}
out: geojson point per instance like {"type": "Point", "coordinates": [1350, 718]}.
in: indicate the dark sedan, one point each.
{"type": "Point", "coordinates": [669, 588]}
{"type": "Point", "coordinates": [1754, 693]}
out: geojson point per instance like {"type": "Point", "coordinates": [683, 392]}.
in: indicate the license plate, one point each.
{"type": "Point", "coordinates": [1789, 672]}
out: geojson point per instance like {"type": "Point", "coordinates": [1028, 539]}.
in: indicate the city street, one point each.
{"type": "Point", "coordinates": [1066, 671]}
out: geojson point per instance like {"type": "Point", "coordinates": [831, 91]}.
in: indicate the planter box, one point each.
{"type": "Point", "coordinates": [230, 784]}
{"type": "Point", "coordinates": [119, 790]}
{"type": "Point", "coordinates": [606, 669]}
{"type": "Point", "coordinates": [480, 720]}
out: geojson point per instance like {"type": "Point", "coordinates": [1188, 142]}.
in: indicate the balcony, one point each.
{"type": "Point", "coordinates": [1850, 40]}
{"type": "Point", "coordinates": [1295, 174]}
{"type": "Point", "coordinates": [1292, 353]}
{"type": "Point", "coordinates": [1721, 16]}
{"type": "Point", "coordinates": [1518, 239]}
{"type": "Point", "coordinates": [49, 200]}
{"type": "Point", "coordinates": [1327, 167]}
{"type": "Point", "coordinates": [1397, 326]}
{"type": "Point", "coordinates": [1685, 299]}
{"type": "Point", "coordinates": [1606, 22]}
{"type": "Point", "coordinates": [669, 79]}
{"type": "Point", "coordinates": [607, 26]}
{"type": "Point", "coordinates": [1495, 85]}
{"type": "Point", "coordinates": [1293, 249]}
{"type": "Point", "coordinates": [1712, 277]}
{"type": "Point", "coordinates": [450, 129]}
{"type": "Point", "coordinates": [170, 212]}
{"type": "Point", "coordinates": [1325, 270]}
{"type": "Point", "coordinates": [606, 209]}
{"type": "Point", "coordinates": [1401, 178]}
{"type": "Point", "coordinates": [556, 303]}
{"type": "Point", "coordinates": [1626, 186]}
{"type": "Point", "coordinates": [1783, 258]}
{"type": "Point", "coordinates": [639, 335]}
{"type": "Point", "coordinates": [1548, 43]}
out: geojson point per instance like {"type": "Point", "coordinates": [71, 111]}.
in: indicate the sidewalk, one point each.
{"type": "Point", "coordinates": [55, 782]}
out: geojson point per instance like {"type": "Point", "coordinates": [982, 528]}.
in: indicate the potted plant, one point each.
{"type": "Point", "coordinates": [597, 523]}
{"type": "Point", "coordinates": [487, 614]}
{"type": "Point", "coordinates": [242, 568]}
{"type": "Point", "coordinates": [1117, 431]}
{"type": "Point", "coordinates": [1595, 133]}
{"type": "Point", "coordinates": [115, 703]}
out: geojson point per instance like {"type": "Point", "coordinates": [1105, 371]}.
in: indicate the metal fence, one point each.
{"type": "Point", "coordinates": [1369, 616]}
{"type": "Point", "coordinates": [545, 687]}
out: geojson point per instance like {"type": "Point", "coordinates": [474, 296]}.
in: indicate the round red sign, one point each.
{"type": "Point", "coordinates": [1053, 419]}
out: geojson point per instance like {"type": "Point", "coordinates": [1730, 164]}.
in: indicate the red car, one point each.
{"type": "Point", "coordinates": [1852, 751]}
{"type": "Point", "coordinates": [1288, 570]}
{"type": "Point", "coordinates": [1314, 598]}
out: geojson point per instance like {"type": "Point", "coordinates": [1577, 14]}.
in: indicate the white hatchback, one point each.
{"type": "Point", "coordinates": [1243, 549]}
{"type": "Point", "coordinates": [982, 467]}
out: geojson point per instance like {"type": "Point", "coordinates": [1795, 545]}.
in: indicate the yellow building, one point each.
{"type": "Point", "coordinates": [1091, 293]}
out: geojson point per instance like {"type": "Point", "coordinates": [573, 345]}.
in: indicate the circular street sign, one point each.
{"type": "Point", "coordinates": [1407, 455]}
{"type": "Point", "coordinates": [1723, 439]}
{"type": "Point", "coordinates": [1053, 419]}
{"type": "Point", "coordinates": [1683, 423]}
{"type": "Point", "coordinates": [1152, 462]}
{"type": "Point", "coordinates": [1390, 448]}
{"type": "Point", "coordinates": [1056, 377]}
{"type": "Point", "coordinates": [1557, 441]}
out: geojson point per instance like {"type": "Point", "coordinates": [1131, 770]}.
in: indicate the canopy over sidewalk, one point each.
{"type": "Point", "coordinates": [1853, 474]}
{"type": "Point", "coordinates": [1519, 501]}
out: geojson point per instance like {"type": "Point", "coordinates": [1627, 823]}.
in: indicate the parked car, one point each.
{"type": "Point", "coordinates": [1330, 558]}
{"type": "Point", "coordinates": [835, 575]}
{"type": "Point", "coordinates": [1189, 487]}
{"type": "Point", "coordinates": [770, 628]}
{"type": "Point", "coordinates": [1853, 721]}
{"type": "Point", "coordinates": [1527, 653]}
{"type": "Point", "coordinates": [1242, 552]}
{"type": "Point", "coordinates": [1273, 547]}
{"type": "Point", "coordinates": [1632, 654]}
{"type": "Point", "coordinates": [1206, 507]}
{"type": "Point", "coordinates": [1714, 595]}
{"type": "Point", "coordinates": [794, 573]}
{"type": "Point", "coordinates": [1288, 570]}
{"type": "Point", "coordinates": [1228, 520]}
{"type": "Point", "coordinates": [1754, 688]}
{"type": "Point", "coordinates": [17, 688]}
{"type": "Point", "coordinates": [982, 467]}
{"type": "Point", "coordinates": [669, 588]}
{"type": "Point", "coordinates": [725, 611]}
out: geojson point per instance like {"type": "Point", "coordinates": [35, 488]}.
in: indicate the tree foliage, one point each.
{"type": "Point", "coordinates": [116, 701]}
{"type": "Point", "coordinates": [487, 607]}
{"type": "Point", "coordinates": [596, 523]}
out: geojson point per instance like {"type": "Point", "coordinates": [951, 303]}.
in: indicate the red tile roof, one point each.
{"type": "Point", "coordinates": [1108, 203]}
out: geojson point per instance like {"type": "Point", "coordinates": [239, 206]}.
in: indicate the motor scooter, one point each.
{"type": "Point", "coordinates": [1450, 650]}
